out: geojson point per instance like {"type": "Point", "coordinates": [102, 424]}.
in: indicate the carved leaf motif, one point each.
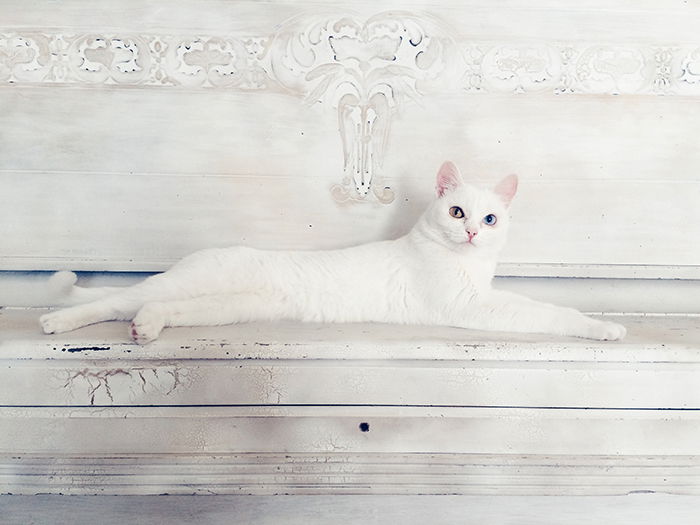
{"type": "Point", "coordinates": [611, 69]}
{"type": "Point", "coordinates": [378, 48]}
{"type": "Point", "coordinates": [367, 69]}
{"type": "Point", "coordinates": [690, 68]}
{"type": "Point", "coordinates": [23, 57]}
{"type": "Point", "coordinates": [119, 59]}
{"type": "Point", "coordinates": [521, 69]}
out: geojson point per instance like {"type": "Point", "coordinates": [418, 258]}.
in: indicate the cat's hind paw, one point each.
{"type": "Point", "coordinates": [147, 325]}
{"type": "Point", "coordinates": [57, 323]}
{"type": "Point", "coordinates": [608, 331]}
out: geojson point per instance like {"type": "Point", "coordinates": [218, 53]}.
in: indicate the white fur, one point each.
{"type": "Point", "coordinates": [431, 276]}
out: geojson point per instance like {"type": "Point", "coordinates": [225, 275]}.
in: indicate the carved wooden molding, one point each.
{"type": "Point", "coordinates": [365, 69]}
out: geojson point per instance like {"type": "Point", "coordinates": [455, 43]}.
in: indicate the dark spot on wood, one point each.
{"type": "Point", "coordinates": [364, 427]}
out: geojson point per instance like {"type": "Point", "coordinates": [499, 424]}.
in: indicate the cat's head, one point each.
{"type": "Point", "coordinates": [468, 218]}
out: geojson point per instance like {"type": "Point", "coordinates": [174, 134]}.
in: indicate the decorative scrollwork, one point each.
{"type": "Point", "coordinates": [110, 59]}
{"type": "Point", "coordinates": [520, 69]}
{"type": "Point", "coordinates": [365, 69]}
{"type": "Point", "coordinates": [690, 67]}
{"type": "Point", "coordinates": [612, 69]}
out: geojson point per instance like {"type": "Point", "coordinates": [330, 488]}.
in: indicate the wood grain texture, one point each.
{"type": "Point", "coordinates": [101, 431]}
{"type": "Point", "coordinates": [289, 364]}
{"type": "Point", "coordinates": [349, 473]}
{"type": "Point", "coordinates": [135, 133]}
{"type": "Point", "coordinates": [110, 173]}
{"type": "Point", "coordinates": [653, 339]}
{"type": "Point", "coordinates": [641, 509]}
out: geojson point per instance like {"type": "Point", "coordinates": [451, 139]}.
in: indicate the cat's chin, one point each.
{"type": "Point", "coordinates": [464, 247]}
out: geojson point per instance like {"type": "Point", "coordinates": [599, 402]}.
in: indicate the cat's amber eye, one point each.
{"type": "Point", "coordinates": [456, 212]}
{"type": "Point", "coordinates": [490, 219]}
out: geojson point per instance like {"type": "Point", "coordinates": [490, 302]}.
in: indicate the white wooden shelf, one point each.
{"type": "Point", "coordinates": [279, 408]}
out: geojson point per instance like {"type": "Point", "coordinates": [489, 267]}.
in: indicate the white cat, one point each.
{"type": "Point", "coordinates": [438, 274]}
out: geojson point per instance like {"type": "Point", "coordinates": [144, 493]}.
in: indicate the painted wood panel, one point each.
{"type": "Point", "coordinates": [133, 134]}
{"type": "Point", "coordinates": [292, 364]}
{"type": "Point", "coordinates": [447, 509]}
{"type": "Point", "coordinates": [146, 223]}
{"type": "Point", "coordinates": [215, 430]}
{"type": "Point", "coordinates": [340, 472]}
{"type": "Point", "coordinates": [172, 134]}
{"type": "Point", "coordinates": [651, 339]}
{"type": "Point", "coordinates": [280, 382]}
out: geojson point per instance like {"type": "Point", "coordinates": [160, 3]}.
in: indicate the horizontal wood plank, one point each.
{"type": "Point", "coordinates": [216, 430]}
{"type": "Point", "coordinates": [348, 473]}
{"type": "Point", "coordinates": [160, 174]}
{"type": "Point", "coordinates": [650, 339]}
{"type": "Point", "coordinates": [148, 222]}
{"type": "Point", "coordinates": [287, 364]}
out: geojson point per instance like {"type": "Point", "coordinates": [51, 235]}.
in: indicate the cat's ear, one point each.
{"type": "Point", "coordinates": [448, 178]}
{"type": "Point", "coordinates": [506, 189]}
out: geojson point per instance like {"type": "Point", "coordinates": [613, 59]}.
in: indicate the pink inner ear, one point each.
{"type": "Point", "coordinates": [506, 188]}
{"type": "Point", "coordinates": [448, 178]}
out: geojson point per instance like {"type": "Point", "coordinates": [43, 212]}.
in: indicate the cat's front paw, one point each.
{"type": "Point", "coordinates": [147, 325]}
{"type": "Point", "coordinates": [57, 323]}
{"type": "Point", "coordinates": [607, 331]}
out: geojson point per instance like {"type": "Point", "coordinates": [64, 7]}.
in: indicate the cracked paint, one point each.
{"type": "Point", "coordinates": [268, 384]}
{"type": "Point", "coordinates": [122, 385]}
{"type": "Point", "coordinates": [329, 442]}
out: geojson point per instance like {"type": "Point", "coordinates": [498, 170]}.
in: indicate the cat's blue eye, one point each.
{"type": "Point", "coordinates": [490, 219]}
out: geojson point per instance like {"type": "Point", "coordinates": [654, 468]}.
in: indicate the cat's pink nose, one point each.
{"type": "Point", "coordinates": [471, 235]}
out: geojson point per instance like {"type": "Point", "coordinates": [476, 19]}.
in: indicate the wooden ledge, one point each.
{"type": "Point", "coordinates": [302, 408]}
{"type": "Point", "coordinates": [652, 338]}
{"type": "Point", "coordinates": [280, 364]}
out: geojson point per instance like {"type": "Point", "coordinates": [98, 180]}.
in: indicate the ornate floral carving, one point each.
{"type": "Point", "coordinates": [690, 67]}
{"type": "Point", "coordinates": [662, 81]}
{"type": "Point", "coordinates": [216, 62]}
{"type": "Point", "coordinates": [612, 69]}
{"type": "Point", "coordinates": [473, 78]}
{"type": "Point", "coordinates": [366, 69]}
{"type": "Point", "coordinates": [25, 57]}
{"type": "Point", "coordinates": [110, 59]}
{"type": "Point", "coordinates": [520, 69]}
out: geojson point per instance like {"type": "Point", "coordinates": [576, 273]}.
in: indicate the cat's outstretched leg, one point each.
{"type": "Point", "coordinates": [118, 306]}
{"type": "Point", "coordinates": [509, 312]}
{"type": "Point", "coordinates": [209, 310]}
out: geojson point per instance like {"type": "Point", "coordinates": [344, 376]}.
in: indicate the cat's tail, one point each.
{"type": "Point", "coordinates": [64, 292]}
{"type": "Point", "coordinates": [32, 290]}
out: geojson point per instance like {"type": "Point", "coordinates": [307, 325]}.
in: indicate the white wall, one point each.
{"type": "Point", "coordinates": [136, 132]}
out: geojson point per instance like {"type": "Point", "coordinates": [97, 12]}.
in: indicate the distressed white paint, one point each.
{"type": "Point", "coordinates": [135, 133]}
{"type": "Point", "coordinates": [652, 339]}
{"type": "Point", "coordinates": [176, 155]}
{"type": "Point", "coordinates": [640, 509]}
{"type": "Point", "coordinates": [449, 411]}
{"type": "Point", "coordinates": [295, 364]}
{"type": "Point", "coordinates": [208, 430]}
{"type": "Point", "coordinates": [348, 473]}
